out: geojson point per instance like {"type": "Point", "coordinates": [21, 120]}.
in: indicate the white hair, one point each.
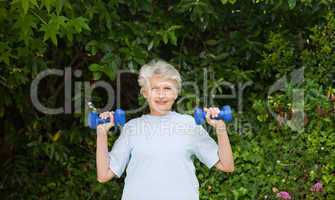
{"type": "Point", "coordinates": [161, 68]}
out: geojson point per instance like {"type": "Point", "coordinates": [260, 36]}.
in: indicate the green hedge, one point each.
{"type": "Point", "coordinates": [53, 156]}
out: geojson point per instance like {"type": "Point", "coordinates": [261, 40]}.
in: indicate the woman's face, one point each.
{"type": "Point", "coordinates": [160, 94]}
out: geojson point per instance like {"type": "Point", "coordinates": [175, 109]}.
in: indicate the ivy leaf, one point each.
{"type": "Point", "coordinates": [97, 70]}
{"type": "Point", "coordinates": [173, 38]}
{"type": "Point", "coordinates": [59, 6]}
{"type": "Point", "coordinates": [25, 24]}
{"type": "Point", "coordinates": [165, 38]}
{"type": "Point", "coordinates": [79, 24]}
{"type": "Point", "coordinates": [5, 57]}
{"type": "Point", "coordinates": [92, 47]}
{"type": "Point", "coordinates": [51, 29]}
{"type": "Point", "coordinates": [96, 75]}
{"type": "Point", "coordinates": [107, 58]}
{"type": "Point", "coordinates": [25, 6]}
{"type": "Point", "coordinates": [47, 4]}
{"type": "Point", "coordinates": [109, 70]}
{"type": "Point", "coordinates": [224, 2]}
{"type": "Point", "coordinates": [95, 67]}
{"type": "Point", "coordinates": [169, 34]}
{"type": "Point", "coordinates": [212, 42]}
{"type": "Point", "coordinates": [5, 53]}
{"type": "Point", "coordinates": [150, 45]}
{"type": "Point", "coordinates": [292, 3]}
{"type": "Point", "coordinates": [74, 26]}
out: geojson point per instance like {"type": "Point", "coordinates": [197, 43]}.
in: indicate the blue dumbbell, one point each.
{"type": "Point", "coordinates": [225, 114]}
{"type": "Point", "coordinates": [94, 120]}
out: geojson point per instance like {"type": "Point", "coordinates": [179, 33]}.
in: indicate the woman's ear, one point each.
{"type": "Point", "coordinates": [144, 93]}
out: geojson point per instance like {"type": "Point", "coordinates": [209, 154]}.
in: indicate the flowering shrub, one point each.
{"type": "Point", "coordinates": [284, 195]}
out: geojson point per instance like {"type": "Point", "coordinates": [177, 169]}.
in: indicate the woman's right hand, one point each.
{"type": "Point", "coordinates": [106, 126]}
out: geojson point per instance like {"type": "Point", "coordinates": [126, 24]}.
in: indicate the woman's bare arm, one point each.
{"type": "Point", "coordinates": [226, 162]}
{"type": "Point", "coordinates": [104, 173]}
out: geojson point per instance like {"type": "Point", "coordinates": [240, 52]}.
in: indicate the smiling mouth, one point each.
{"type": "Point", "coordinates": [160, 102]}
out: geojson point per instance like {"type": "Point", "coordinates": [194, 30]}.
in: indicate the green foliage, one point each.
{"type": "Point", "coordinates": [53, 156]}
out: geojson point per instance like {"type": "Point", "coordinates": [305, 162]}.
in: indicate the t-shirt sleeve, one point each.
{"type": "Point", "coordinates": [120, 154]}
{"type": "Point", "coordinates": [204, 147]}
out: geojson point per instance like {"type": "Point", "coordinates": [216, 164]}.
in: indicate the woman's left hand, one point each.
{"type": "Point", "coordinates": [214, 112]}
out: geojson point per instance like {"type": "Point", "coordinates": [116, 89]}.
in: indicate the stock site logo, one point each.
{"type": "Point", "coordinates": [291, 89]}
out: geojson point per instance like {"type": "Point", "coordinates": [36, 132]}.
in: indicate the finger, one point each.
{"type": "Point", "coordinates": [105, 115]}
{"type": "Point", "coordinates": [111, 117]}
{"type": "Point", "coordinates": [210, 121]}
{"type": "Point", "coordinates": [217, 111]}
{"type": "Point", "coordinates": [206, 109]}
{"type": "Point", "coordinates": [102, 115]}
{"type": "Point", "coordinates": [212, 112]}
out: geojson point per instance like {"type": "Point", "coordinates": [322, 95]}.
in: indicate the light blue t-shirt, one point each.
{"type": "Point", "coordinates": [156, 153]}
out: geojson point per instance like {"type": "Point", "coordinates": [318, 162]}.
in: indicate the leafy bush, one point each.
{"type": "Point", "coordinates": [53, 156]}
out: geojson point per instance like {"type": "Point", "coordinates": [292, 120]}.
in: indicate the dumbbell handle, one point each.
{"type": "Point", "coordinates": [103, 121]}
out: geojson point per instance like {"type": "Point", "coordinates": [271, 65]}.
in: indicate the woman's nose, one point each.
{"type": "Point", "coordinates": [161, 93]}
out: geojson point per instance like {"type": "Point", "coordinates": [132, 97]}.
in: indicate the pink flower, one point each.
{"type": "Point", "coordinates": [317, 187]}
{"type": "Point", "coordinates": [284, 195]}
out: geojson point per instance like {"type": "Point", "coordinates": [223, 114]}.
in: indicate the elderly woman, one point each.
{"type": "Point", "coordinates": [157, 149]}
